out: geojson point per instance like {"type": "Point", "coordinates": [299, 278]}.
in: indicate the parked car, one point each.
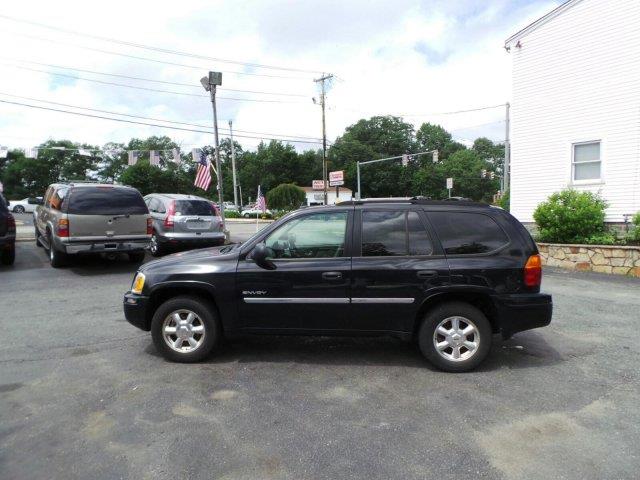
{"type": "Point", "coordinates": [183, 221]}
{"type": "Point", "coordinates": [26, 205]}
{"type": "Point", "coordinates": [252, 212]}
{"type": "Point", "coordinates": [230, 206]}
{"type": "Point", "coordinates": [79, 218]}
{"type": "Point", "coordinates": [7, 234]}
{"type": "Point", "coordinates": [448, 275]}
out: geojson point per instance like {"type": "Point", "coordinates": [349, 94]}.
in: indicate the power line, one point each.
{"type": "Point", "coordinates": [152, 118]}
{"type": "Point", "coordinates": [152, 48]}
{"type": "Point", "coordinates": [144, 123]}
{"type": "Point", "coordinates": [192, 85]}
{"type": "Point", "coordinates": [433, 114]}
{"type": "Point", "coordinates": [147, 59]}
{"type": "Point", "coordinates": [148, 89]}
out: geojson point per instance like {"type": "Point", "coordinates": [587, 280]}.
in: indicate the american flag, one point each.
{"type": "Point", "coordinates": [261, 203]}
{"type": "Point", "coordinates": [203, 174]}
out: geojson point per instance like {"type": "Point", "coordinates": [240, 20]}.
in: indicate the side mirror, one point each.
{"type": "Point", "coordinates": [261, 254]}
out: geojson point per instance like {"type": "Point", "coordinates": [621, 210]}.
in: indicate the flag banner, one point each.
{"type": "Point", "coordinates": [154, 157]}
{"type": "Point", "coordinates": [176, 156]}
{"type": "Point", "coordinates": [261, 203]}
{"type": "Point", "coordinates": [4, 152]}
{"type": "Point", "coordinates": [133, 157]}
{"type": "Point", "coordinates": [31, 153]}
{"type": "Point", "coordinates": [84, 153]}
{"type": "Point", "coordinates": [203, 173]}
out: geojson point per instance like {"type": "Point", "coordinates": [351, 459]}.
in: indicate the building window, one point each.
{"type": "Point", "coordinates": [586, 161]}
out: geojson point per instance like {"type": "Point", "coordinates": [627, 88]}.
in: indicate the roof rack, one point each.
{"type": "Point", "coordinates": [419, 200]}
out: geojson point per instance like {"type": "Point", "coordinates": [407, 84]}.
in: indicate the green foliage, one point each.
{"type": "Point", "coordinates": [433, 137]}
{"type": "Point", "coordinates": [603, 238]}
{"type": "Point", "coordinates": [571, 216]}
{"type": "Point", "coordinates": [231, 214]}
{"type": "Point", "coordinates": [490, 152]}
{"type": "Point", "coordinates": [505, 201]}
{"type": "Point", "coordinates": [465, 167]}
{"type": "Point", "coordinates": [633, 235]}
{"type": "Point", "coordinates": [286, 196]}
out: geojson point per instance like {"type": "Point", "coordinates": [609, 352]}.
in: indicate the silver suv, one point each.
{"type": "Point", "coordinates": [183, 221]}
{"type": "Point", "coordinates": [92, 218]}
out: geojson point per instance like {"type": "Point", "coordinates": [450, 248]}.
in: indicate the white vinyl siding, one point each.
{"type": "Point", "coordinates": [576, 80]}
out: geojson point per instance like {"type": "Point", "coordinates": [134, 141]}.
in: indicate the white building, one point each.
{"type": "Point", "coordinates": [576, 106]}
{"type": "Point", "coordinates": [316, 197]}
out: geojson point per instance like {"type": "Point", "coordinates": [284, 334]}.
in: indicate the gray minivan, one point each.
{"type": "Point", "coordinates": [183, 221]}
{"type": "Point", "coordinates": [92, 218]}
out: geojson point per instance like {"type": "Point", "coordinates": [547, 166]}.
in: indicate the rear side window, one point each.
{"type": "Point", "coordinates": [465, 233]}
{"type": "Point", "coordinates": [195, 207]}
{"type": "Point", "coordinates": [394, 233]}
{"type": "Point", "coordinates": [106, 201]}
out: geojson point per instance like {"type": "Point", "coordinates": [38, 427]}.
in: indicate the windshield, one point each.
{"type": "Point", "coordinates": [106, 201]}
{"type": "Point", "coordinates": [195, 207]}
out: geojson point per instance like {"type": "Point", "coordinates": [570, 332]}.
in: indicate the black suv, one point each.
{"type": "Point", "coordinates": [447, 274]}
{"type": "Point", "coordinates": [7, 234]}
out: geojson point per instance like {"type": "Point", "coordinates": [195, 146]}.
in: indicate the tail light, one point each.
{"type": "Point", "coordinates": [63, 227]}
{"type": "Point", "coordinates": [11, 224]}
{"type": "Point", "coordinates": [168, 221]}
{"type": "Point", "coordinates": [149, 226]}
{"type": "Point", "coordinates": [533, 271]}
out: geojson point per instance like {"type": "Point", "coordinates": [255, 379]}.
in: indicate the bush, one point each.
{"type": "Point", "coordinates": [633, 235]}
{"type": "Point", "coordinates": [504, 201]}
{"type": "Point", "coordinates": [285, 196]}
{"type": "Point", "coordinates": [231, 214]}
{"type": "Point", "coordinates": [570, 216]}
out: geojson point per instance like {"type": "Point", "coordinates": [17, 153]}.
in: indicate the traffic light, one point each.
{"type": "Point", "coordinates": [492, 175]}
{"type": "Point", "coordinates": [435, 156]}
{"type": "Point", "coordinates": [483, 174]}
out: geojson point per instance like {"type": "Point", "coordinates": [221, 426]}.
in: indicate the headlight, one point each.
{"type": "Point", "coordinates": [138, 283]}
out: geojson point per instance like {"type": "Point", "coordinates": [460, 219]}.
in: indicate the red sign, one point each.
{"type": "Point", "coordinates": [317, 185]}
{"type": "Point", "coordinates": [336, 178]}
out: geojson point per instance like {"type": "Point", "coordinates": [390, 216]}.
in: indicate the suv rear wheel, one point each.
{"type": "Point", "coordinates": [56, 257]}
{"type": "Point", "coordinates": [185, 329]}
{"type": "Point", "coordinates": [455, 337]}
{"type": "Point", "coordinates": [154, 246]}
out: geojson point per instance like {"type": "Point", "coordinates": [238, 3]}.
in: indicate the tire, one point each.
{"type": "Point", "coordinates": [246, 215]}
{"type": "Point", "coordinates": [205, 317]}
{"type": "Point", "coordinates": [136, 257]}
{"type": "Point", "coordinates": [38, 235]}
{"type": "Point", "coordinates": [56, 257]}
{"type": "Point", "coordinates": [443, 318]}
{"type": "Point", "coordinates": [18, 209]}
{"type": "Point", "coordinates": [155, 248]}
{"type": "Point", "coordinates": [8, 256]}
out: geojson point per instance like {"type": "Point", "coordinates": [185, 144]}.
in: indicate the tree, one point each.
{"type": "Point", "coordinates": [434, 137]}
{"type": "Point", "coordinates": [286, 196]}
{"type": "Point", "coordinates": [368, 139]}
{"type": "Point", "coordinates": [490, 152]}
{"type": "Point", "coordinates": [465, 167]}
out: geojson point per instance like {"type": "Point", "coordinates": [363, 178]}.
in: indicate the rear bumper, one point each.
{"type": "Point", "coordinates": [117, 246]}
{"type": "Point", "coordinates": [517, 313]}
{"type": "Point", "coordinates": [135, 310]}
{"type": "Point", "coordinates": [192, 239]}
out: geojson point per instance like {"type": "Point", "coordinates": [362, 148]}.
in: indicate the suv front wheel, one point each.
{"type": "Point", "coordinates": [185, 329]}
{"type": "Point", "coordinates": [455, 337]}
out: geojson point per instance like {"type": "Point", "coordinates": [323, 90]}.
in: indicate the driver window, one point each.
{"type": "Point", "coordinates": [320, 235]}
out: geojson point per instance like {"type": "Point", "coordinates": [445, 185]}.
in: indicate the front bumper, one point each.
{"type": "Point", "coordinates": [135, 310]}
{"type": "Point", "coordinates": [105, 247]}
{"type": "Point", "coordinates": [520, 312]}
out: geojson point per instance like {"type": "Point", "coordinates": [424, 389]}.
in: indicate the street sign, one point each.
{"type": "Point", "coordinates": [449, 183]}
{"type": "Point", "coordinates": [336, 178]}
{"type": "Point", "coordinates": [317, 185]}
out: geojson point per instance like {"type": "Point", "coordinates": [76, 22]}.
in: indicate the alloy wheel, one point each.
{"type": "Point", "coordinates": [456, 339]}
{"type": "Point", "coordinates": [183, 331]}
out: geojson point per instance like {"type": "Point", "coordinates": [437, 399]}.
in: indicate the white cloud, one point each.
{"type": "Point", "coordinates": [390, 57]}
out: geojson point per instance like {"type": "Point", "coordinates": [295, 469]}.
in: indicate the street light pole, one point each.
{"type": "Point", "coordinates": [233, 166]}
{"type": "Point", "coordinates": [506, 174]}
{"type": "Point", "coordinates": [210, 83]}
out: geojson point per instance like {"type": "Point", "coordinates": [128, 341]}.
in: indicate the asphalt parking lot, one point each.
{"type": "Point", "coordinates": [84, 395]}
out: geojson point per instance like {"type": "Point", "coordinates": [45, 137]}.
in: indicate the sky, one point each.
{"type": "Point", "coordinates": [416, 59]}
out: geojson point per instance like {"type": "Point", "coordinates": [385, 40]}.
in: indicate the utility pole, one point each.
{"type": "Point", "coordinates": [210, 83]}
{"type": "Point", "coordinates": [506, 174]}
{"type": "Point", "coordinates": [323, 92]}
{"type": "Point", "coordinates": [233, 166]}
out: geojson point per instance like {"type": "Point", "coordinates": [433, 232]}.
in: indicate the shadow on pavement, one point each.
{"type": "Point", "coordinates": [529, 350]}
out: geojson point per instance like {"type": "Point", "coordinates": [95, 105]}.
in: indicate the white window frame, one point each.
{"type": "Point", "coordinates": [589, 181]}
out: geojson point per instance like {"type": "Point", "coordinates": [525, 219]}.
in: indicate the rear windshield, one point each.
{"type": "Point", "coordinates": [195, 207]}
{"type": "Point", "coordinates": [106, 201]}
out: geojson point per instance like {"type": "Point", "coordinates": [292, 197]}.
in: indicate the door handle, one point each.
{"type": "Point", "coordinates": [331, 275]}
{"type": "Point", "coordinates": [427, 273]}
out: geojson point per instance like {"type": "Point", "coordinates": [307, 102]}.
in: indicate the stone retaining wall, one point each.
{"type": "Point", "coordinates": [594, 258]}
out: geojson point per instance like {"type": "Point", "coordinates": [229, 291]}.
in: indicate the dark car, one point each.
{"type": "Point", "coordinates": [446, 274]}
{"type": "Point", "coordinates": [7, 234]}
